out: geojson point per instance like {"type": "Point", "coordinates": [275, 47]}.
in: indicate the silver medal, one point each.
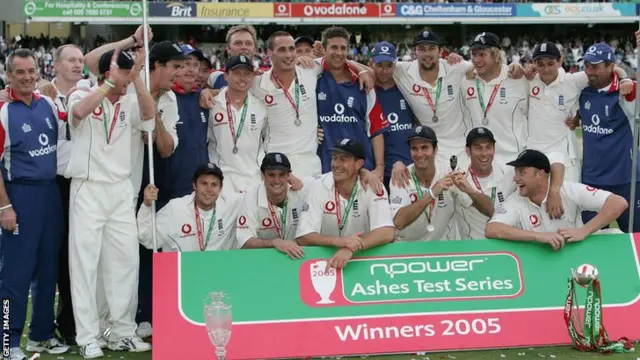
{"type": "Point", "coordinates": [235, 149]}
{"type": "Point", "coordinates": [485, 121]}
{"type": "Point", "coordinates": [297, 122]}
{"type": "Point", "coordinates": [434, 118]}
{"type": "Point", "coordinates": [430, 228]}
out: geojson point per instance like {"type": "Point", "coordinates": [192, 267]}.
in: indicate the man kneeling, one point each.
{"type": "Point", "coordinates": [522, 216]}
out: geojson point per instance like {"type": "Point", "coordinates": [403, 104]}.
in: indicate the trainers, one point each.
{"type": "Point", "coordinates": [52, 346]}
{"type": "Point", "coordinates": [130, 344]}
{"type": "Point", "coordinates": [102, 342]}
{"type": "Point", "coordinates": [16, 353]}
{"type": "Point", "coordinates": [91, 350]}
{"type": "Point", "coordinates": [144, 330]}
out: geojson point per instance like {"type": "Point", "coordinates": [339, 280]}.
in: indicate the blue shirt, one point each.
{"type": "Point", "coordinates": [28, 139]}
{"type": "Point", "coordinates": [607, 136]}
{"type": "Point", "coordinates": [345, 111]}
{"type": "Point", "coordinates": [400, 118]}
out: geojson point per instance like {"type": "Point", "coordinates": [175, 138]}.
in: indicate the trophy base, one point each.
{"type": "Point", "coordinates": [325, 301]}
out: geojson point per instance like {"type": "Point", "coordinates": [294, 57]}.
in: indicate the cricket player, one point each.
{"type": "Point", "coordinates": [304, 46]}
{"type": "Point", "coordinates": [522, 218]}
{"type": "Point", "coordinates": [552, 100]}
{"type": "Point", "coordinates": [607, 131]}
{"type": "Point", "coordinates": [30, 210]}
{"type": "Point", "coordinates": [496, 181]}
{"type": "Point", "coordinates": [270, 213]}
{"type": "Point", "coordinates": [241, 40]}
{"type": "Point", "coordinates": [339, 213]}
{"type": "Point", "coordinates": [202, 221]}
{"type": "Point", "coordinates": [102, 216]}
{"type": "Point", "coordinates": [425, 210]}
{"type": "Point", "coordinates": [494, 100]}
{"type": "Point", "coordinates": [236, 127]}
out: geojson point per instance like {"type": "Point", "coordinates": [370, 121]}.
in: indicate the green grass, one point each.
{"type": "Point", "coordinates": [558, 353]}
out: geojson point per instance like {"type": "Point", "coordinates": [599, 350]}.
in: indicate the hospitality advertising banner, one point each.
{"type": "Point", "coordinates": [115, 9]}
{"type": "Point", "coordinates": [402, 297]}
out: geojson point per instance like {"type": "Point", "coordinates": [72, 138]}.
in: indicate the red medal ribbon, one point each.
{"type": "Point", "coordinates": [491, 98]}
{"type": "Point", "coordinates": [286, 93]}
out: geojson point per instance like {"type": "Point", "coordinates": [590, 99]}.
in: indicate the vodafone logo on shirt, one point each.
{"type": "Point", "coordinates": [534, 220]}
{"type": "Point", "coordinates": [186, 230]}
{"type": "Point", "coordinates": [266, 223]}
{"type": "Point", "coordinates": [329, 10]}
{"type": "Point", "coordinates": [329, 207]}
{"type": "Point", "coordinates": [218, 117]}
{"type": "Point", "coordinates": [471, 92]}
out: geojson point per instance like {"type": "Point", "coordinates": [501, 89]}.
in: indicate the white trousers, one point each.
{"type": "Point", "coordinates": [103, 243]}
{"type": "Point", "coordinates": [305, 165]}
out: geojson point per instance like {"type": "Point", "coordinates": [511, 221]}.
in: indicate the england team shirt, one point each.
{"type": "Point", "coordinates": [242, 168]}
{"type": "Point", "coordinates": [28, 139]}
{"type": "Point", "coordinates": [283, 133]}
{"type": "Point", "coordinates": [451, 127]}
{"type": "Point", "coordinates": [440, 213]}
{"type": "Point", "coordinates": [101, 142]}
{"type": "Point", "coordinates": [258, 218]}
{"type": "Point", "coordinates": [607, 134]}
{"type": "Point", "coordinates": [521, 213]}
{"type": "Point", "coordinates": [63, 151]}
{"type": "Point", "coordinates": [216, 80]}
{"type": "Point", "coordinates": [549, 107]}
{"type": "Point", "coordinates": [167, 106]}
{"type": "Point", "coordinates": [368, 211]}
{"type": "Point", "coordinates": [345, 111]}
{"type": "Point", "coordinates": [504, 102]}
{"type": "Point", "coordinates": [182, 227]}
{"type": "Point", "coordinates": [401, 120]}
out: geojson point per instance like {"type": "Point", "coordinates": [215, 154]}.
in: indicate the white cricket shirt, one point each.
{"type": "Point", "coordinates": [521, 213]}
{"type": "Point", "coordinates": [369, 211]}
{"type": "Point", "coordinates": [177, 228]}
{"type": "Point", "coordinates": [282, 135]}
{"type": "Point", "coordinates": [241, 170]}
{"type": "Point", "coordinates": [507, 114]}
{"type": "Point", "coordinates": [92, 157]}
{"type": "Point", "coordinates": [549, 107]}
{"type": "Point", "coordinates": [259, 219]}
{"type": "Point", "coordinates": [451, 127]}
{"type": "Point", "coordinates": [441, 211]}
{"type": "Point", "coordinates": [168, 110]}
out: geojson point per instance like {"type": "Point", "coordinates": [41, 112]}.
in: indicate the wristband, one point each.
{"type": "Point", "coordinates": [109, 83]}
{"type": "Point", "coordinates": [430, 192]}
{"type": "Point", "coordinates": [362, 72]}
{"type": "Point", "coordinates": [102, 90]}
{"type": "Point", "coordinates": [135, 41]}
{"type": "Point", "coordinates": [621, 80]}
{"type": "Point", "coordinates": [5, 207]}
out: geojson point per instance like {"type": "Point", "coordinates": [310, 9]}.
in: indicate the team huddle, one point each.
{"type": "Point", "coordinates": [316, 151]}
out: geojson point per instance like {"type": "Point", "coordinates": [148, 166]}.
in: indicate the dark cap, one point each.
{"type": "Point", "coordinates": [190, 50]}
{"type": "Point", "coordinates": [208, 169]}
{"type": "Point", "coordinates": [546, 49]}
{"type": "Point", "coordinates": [480, 133]}
{"type": "Point", "coordinates": [532, 158]}
{"type": "Point", "coordinates": [304, 39]}
{"type": "Point", "coordinates": [423, 132]}
{"type": "Point", "coordinates": [165, 51]}
{"type": "Point", "coordinates": [427, 37]}
{"type": "Point", "coordinates": [486, 40]}
{"type": "Point", "coordinates": [275, 161]}
{"type": "Point", "coordinates": [351, 147]}
{"type": "Point", "coordinates": [237, 61]}
{"type": "Point", "coordinates": [125, 61]}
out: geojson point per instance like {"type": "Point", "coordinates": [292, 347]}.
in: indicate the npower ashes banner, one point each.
{"type": "Point", "coordinates": [83, 9]}
{"type": "Point", "coordinates": [405, 297]}
{"type": "Point", "coordinates": [333, 10]}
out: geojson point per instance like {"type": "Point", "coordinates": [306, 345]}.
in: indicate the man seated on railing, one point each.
{"type": "Point", "coordinates": [522, 216]}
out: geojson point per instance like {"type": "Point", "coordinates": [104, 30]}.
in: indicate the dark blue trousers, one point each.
{"type": "Point", "coordinates": [623, 220]}
{"type": "Point", "coordinates": [29, 258]}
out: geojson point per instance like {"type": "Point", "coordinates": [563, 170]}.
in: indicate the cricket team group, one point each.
{"type": "Point", "coordinates": [316, 151]}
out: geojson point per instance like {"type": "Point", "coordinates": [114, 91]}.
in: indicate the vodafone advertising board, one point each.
{"type": "Point", "coordinates": [322, 10]}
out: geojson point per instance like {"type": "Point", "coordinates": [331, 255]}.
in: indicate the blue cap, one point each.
{"type": "Point", "coordinates": [598, 53]}
{"type": "Point", "coordinates": [384, 51]}
{"type": "Point", "coordinates": [190, 50]}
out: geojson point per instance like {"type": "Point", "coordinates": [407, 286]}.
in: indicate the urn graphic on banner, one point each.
{"type": "Point", "coordinates": [323, 280]}
{"type": "Point", "coordinates": [217, 314]}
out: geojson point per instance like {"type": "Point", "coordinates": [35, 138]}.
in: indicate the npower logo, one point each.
{"type": "Point", "coordinates": [423, 267]}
